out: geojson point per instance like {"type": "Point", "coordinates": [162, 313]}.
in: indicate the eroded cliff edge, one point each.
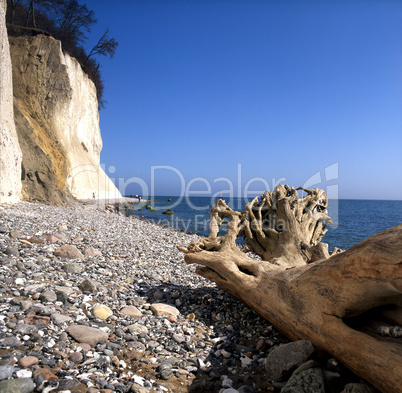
{"type": "Point", "coordinates": [57, 122]}
{"type": "Point", "coordinates": [10, 153]}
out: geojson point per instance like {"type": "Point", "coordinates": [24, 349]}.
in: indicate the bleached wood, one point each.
{"type": "Point", "coordinates": [301, 296]}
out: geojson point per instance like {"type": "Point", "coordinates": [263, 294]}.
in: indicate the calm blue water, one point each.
{"type": "Point", "coordinates": [354, 220]}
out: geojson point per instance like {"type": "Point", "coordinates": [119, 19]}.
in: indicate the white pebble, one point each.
{"type": "Point", "coordinates": [123, 364]}
{"type": "Point", "coordinates": [138, 380]}
{"type": "Point", "coordinates": [245, 361]}
{"type": "Point", "coordinates": [24, 374]}
{"type": "Point", "coordinates": [51, 343]}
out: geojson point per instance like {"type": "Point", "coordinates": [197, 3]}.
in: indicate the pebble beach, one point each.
{"type": "Point", "coordinates": [96, 301]}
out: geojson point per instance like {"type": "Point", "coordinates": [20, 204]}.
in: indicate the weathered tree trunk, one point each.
{"type": "Point", "coordinates": [304, 299]}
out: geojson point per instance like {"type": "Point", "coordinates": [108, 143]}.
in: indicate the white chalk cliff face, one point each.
{"type": "Point", "coordinates": [81, 124]}
{"type": "Point", "coordinates": [10, 153]}
{"type": "Point", "coordinates": [57, 120]}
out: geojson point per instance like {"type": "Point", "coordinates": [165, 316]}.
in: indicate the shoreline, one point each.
{"type": "Point", "coordinates": [161, 222]}
{"type": "Point", "coordinates": [113, 201]}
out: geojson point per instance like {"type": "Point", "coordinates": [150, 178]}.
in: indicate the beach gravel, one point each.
{"type": "Point", "coordinates": [110, 305]}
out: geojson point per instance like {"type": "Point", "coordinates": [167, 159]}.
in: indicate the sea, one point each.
{"type": "Point", "coordinates": [353, 220]}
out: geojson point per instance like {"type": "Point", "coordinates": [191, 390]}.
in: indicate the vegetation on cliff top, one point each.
{"type": "Point", "coordinates": [68, 21]}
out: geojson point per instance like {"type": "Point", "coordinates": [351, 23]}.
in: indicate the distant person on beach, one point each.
{"type": "Point", "coordinates": [139, 198]}
{"type": "Point", "coordinates": [93, 195]}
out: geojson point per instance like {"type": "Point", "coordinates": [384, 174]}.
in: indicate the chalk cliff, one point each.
{"type": "Point", "coordinates": [10, 153]}
{"type": "Point", "coordinates": [57, 121]}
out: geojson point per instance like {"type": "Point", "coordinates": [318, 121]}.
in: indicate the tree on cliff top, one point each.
{"type": "Point", "coordinates": [68, 21]}
{"type": "Point", "coordinates": [72, 20]}
{"type": "Point", "coordinates": [105, 46]}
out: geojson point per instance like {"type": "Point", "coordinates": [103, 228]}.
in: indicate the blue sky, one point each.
{"type": "Point", "coordinates": [279, 89]}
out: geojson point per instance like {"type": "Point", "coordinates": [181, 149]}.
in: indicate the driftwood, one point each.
{"type": "Point", "coordinates": [300, 289]}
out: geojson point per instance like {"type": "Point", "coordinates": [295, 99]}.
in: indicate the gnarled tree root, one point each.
{"type": "Point", "coordinates": [311, 300]}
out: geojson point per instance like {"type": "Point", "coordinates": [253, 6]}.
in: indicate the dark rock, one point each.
{"type": "Point", "coordinates": [6, 371]}
{"type": "Point", "coordinates": [49, 362]}
{"type": "Point", "coordinates": [41, 309]}
{"type": "Point", "coordinates": [76, 357]}
{"type": "Point", "coordinates": [214, 374]}
{"type": "Point", "coordinates": [166, 374]}
{"type": "Point", "coordinates": [48, 296]}
{"type": "Point", "coordinates": [284, 359]}
{"type": "Point", "coordinates": [67, 384]}
{"type": "Point", "coordinates": [305, 366]}
{"type": "Point", "coordinates": [163, 366]}
{"type": "Point", "coordinates": [333, 381]}
{"type": "Point", "coordinates": [165, 370]}
{"type": "Point", "coordinates": [12, 251]}
{"type": "Point", "coordinates": [26, 385]}
{"type": "Point", "coordinates": [245, 389]}
{"type": "Point", "coordinates": [9, 386]}
{"type": "Point", "coordinates": [63, 336]}
{"type": "Point", "coordinates": [358, 388]}
{"type": "Point", "coordinates": [21, 267]}
{"type": "Point", "coordinates": [306, 381]}
{"type": "Point", "coordinates": [333, 365]}
{"type": "Point", "coordinates": [9, 342]}
{"type": "Point", "coordinates": [88, 286]}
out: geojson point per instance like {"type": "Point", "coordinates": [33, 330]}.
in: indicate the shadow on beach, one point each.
{"type": "Point", "coordinates": [237, 339]}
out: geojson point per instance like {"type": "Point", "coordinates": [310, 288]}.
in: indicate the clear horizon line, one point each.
{"type": "Point", "coordinates": [223, 197]}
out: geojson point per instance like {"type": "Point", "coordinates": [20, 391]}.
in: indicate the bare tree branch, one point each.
{"type": "Point", "coordinates": [105, 46]}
